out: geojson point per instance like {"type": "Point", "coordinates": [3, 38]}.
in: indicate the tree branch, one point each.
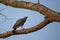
{"type": "Point", "coordinates": [49, 14]}
{"type": "Point", "coordinates": [25, 31]}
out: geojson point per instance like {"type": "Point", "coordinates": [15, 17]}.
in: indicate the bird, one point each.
{"type": "Point", "coordinates": [19, 23]}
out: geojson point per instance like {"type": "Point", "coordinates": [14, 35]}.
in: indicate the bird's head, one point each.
{"type": "Point", "coordinates": [26, 17]}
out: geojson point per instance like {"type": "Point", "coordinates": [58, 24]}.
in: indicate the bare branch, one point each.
{"type": "Point", "coordinates": [25, 31]}
{"type": "Point", "coordinates": [2, 9]}
{"type": "Point", "coordinates": [50, 16]}
{"type": "Point", "coordinates": [5, 18]}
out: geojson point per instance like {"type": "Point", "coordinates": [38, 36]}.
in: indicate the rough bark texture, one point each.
{"type": "Point", "coordinates": [50, 16]}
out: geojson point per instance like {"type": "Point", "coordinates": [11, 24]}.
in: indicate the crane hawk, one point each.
{"type": "Point", "coordinates": [19, 23]}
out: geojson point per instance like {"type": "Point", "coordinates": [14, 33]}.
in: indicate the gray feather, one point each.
{"type": "Point", "coordinates": [20, 22]}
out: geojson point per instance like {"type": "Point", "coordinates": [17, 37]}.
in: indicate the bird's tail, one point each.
{"type": "Point", "coordinates": [14, 30]}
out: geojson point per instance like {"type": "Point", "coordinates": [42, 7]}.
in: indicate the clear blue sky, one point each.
{"type": "Point", "coordinates": [49, 32]}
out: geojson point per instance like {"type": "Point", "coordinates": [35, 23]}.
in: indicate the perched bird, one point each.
{"type": "Point", "coordinates": [19, 23]}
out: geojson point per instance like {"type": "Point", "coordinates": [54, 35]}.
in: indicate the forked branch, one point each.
{"type": "Point", "coordinates": [50, 16]}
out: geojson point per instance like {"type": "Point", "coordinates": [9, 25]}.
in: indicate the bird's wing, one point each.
{"type": "Point", "coordinates": [18, 22]}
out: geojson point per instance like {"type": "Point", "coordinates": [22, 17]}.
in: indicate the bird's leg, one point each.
{"type": "Point", "coordinates": [22, 27]}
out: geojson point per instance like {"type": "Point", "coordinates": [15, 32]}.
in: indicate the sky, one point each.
{"type": "Point", "coordinates": [49, 32]}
